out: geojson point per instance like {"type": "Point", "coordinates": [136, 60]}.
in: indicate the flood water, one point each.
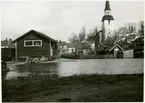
{"type": "Point", "coordinates": [77, 67]}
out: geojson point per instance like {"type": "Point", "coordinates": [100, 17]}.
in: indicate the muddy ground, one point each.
{"type": "Point", "coordinates": [82, 88]}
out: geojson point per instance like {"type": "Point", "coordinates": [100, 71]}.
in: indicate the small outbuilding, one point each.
{"type": "Point", "coordinates": [7, 50]}
{"type": "Point", "coordinates": [139, 47]}
{"type": "Point", "coordinates": [35, 44]}
{"type": "Point", "coordinates": [128, 53]}
{"type": "Point", "coordinates": [110, 51]}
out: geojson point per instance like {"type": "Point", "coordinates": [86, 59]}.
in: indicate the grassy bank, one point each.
{"type": "Point", "coordinates": [84, 88]}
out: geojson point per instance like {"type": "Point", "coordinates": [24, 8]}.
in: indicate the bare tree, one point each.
{"type": "Point", "coordinates": [131, 27]}
{"type": "Point", "coordinates": [127, 29]}
{"type": "Point", "coordinates": [78, 37]}
{"type": "Point", "coordinates": [82, 34]}
{"type": "Point", "coordinates": [73, 38]}
{"type": "Point", "coordinates": [141, 28]}
{"type": "Point", "coordinates": [91, 34]}
{"type": "Point", "coordinates": [94, 37]}
{"type": "Point", "coordinates": [122, 31]}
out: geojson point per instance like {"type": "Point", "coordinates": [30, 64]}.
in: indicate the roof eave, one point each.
{"type": "Point", "coordinates": [35, 32]}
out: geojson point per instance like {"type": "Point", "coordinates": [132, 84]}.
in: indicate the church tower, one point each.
{"type": "Point", "coordinates": [107, 22]}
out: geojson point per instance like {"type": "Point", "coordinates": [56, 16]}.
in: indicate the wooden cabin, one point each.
{"type": "Point", "coordinates": [35, 44]}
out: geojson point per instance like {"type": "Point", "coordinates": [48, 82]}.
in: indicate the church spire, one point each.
{"type": "Point", "coordinates": [107, 22]}
{"type": "Point", "coordinates": [107, 6]}
{"type": "Point", "coordinates": [107, 12]}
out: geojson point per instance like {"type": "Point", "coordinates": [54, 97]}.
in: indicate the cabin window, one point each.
{"type": "Point", "coordinates": [30, 43]}
{"type": "Point", "coordinates": [37, 43]}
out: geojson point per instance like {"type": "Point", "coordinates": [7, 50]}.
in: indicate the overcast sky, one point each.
{"type": "Point", "coordinates": [58, 19]}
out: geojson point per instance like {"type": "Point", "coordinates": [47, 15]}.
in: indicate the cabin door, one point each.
{"type": "Point", "coordinates": [115, 52]}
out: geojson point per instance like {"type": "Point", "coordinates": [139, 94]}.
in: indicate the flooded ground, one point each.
{"type": "Point", "coordinates": [41, 82]}
{"type": "Point", "coordinates": [68, 67]}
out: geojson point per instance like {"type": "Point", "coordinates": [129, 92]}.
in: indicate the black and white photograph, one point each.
{"type": "Point", "coordinates": [72, 50]}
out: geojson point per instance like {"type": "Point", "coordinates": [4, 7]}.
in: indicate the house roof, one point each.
{"type": "Point", "coordinates": [108, 47]}
{"type": "Point", "coordinates": [37, 33]}
{"type": "Point", "coordinates": [62, 43]}
{"type": "Point", "coordinates": [101, 48]}
{"type": "Point", "coordinates": [7, 43]}
{"type": "Point", "coordinates": [79, 45]}
{"type": "Point", "coordinates": [84, 45]}
{"type": "Point", "coordinates": [130, 37]}
{"type": "Point", "coordinates": [70, 45]}
{"type": "Point", "coordinates": [116, 46]}
{"type": "Point", "coordinates": [4, 43]}
{"type": "Point", "coordinates": [139, 39]}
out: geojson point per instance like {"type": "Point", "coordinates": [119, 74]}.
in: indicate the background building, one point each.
{"type": "Point", "coordinates": [107, 23]}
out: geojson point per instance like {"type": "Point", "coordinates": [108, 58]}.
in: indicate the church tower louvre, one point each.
{"type": "Point", "coordinates": [107, 22]}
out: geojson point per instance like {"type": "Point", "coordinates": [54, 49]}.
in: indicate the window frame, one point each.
{"type": "Point", "coordinates": [32, 43]}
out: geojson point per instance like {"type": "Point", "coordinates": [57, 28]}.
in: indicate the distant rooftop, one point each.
{"type": "Point", "coordinates": [7, 43]}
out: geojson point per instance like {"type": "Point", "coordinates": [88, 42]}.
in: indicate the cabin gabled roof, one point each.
{"type": "Point", "coordinates": [108, 48]}
{"type": "Point", "coordinates": [37, 33]}
{"type": "Point", "coordinates": [115, 46]}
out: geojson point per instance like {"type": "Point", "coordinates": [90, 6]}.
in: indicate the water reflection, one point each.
{"type": "Point", "coordinates": [32, 70]}
{"type": "Point", "coordinates": [69, 68]}
{"type": "Point", "coordinates": [102, 66]}
{"type": "Point", "coordinates": [16, 74]}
